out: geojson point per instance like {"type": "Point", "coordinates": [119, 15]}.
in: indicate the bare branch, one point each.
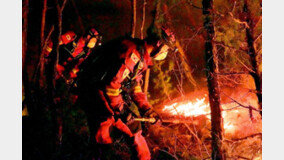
{"type": "Point", "coordinates": [195, 135]}
{"type": "Point", "coordinates": [248, 107]}
{"type": "Point", "coordinates": [63, 6]}
{"type": "Point", "coordinates": [238, 20]}
{"type": "Point", "coordinates": [43, 22]}
{"type": "Point", "coordinates": [234, 6]}
{"type": "Point", "coordinates": [168, 153]}
{"type": "Point", "coordinates": [233, 18]}
{"type": "Point", "coordinates": [48, 36]}
{"type": "Point", "coordinates": [133, 18]}
{"type": "Point", "coordinates": [248, 68]}
{"type": "Point", "coordinates": [230, 47]}
{"type": "Point", "coordinates": [191, 4]}
{"type": "Point", "coordinates": [259, 20]}
{"type": "Point", "coordinates": [40, 66]}
{"type": "Point", "coordinates": [260, 35]}
{"type": "Point", "coordinates": [143, 19]}
{"type": "Point", "coordinates": [246, 137]}
{"type": "Point", "coordinates": [232, 73]}
{"type": "Point", "coordinates": [257, 52]}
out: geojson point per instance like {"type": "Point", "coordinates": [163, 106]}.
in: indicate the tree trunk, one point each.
{"type": "Point", "coordinates": [25, 32]}
{"type": "Point", "coordinates": [133, 18]}
{"type": "Point", "coordinates": [147, 75]}
{"type": "Point", "coordinates": [40, 69]}
{"type": "Point", "coordinates": [212, 79]}
{"type": "Point", "coordinates": [256, 74]}
{"type": "Point", "coordinates": [51, 77]}
{"type": "Point", "coordinates": [143, 19]}
{"type": "Point", "coordinates": [25, 78]}
{"type": "Point", "coordinates": [43, 22]}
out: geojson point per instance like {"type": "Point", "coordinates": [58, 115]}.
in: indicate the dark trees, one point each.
{"type": "Point", "coordinates": [255, 73]}
{"type": "Point", "coordinates": [24, 48]}
{"type": "Point", "coordinates": [211, 71]}
{"type": "Point", "coordinates": [24, 31]}
{"type": "Point", "coordinates": [133, 18]}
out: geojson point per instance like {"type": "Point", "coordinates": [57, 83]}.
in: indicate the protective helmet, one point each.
{"type": "Point", "coordinates": [162, 53]}
{"type": "Point", "coordinates": [68, 37]}
{"type": "Point", "coordinates": [162, 42]}
{"type": "Point", "coordinates": [94, 38]}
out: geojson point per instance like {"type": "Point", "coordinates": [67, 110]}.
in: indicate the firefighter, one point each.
{"type": "Point", "coordinates": [82, 50]}
{"type": "Point", "coordinates": [66, 40]}
{"type": "Point", "coordinates": [72, 53]}
{"type": "Point", "coordinates": [103, 78]}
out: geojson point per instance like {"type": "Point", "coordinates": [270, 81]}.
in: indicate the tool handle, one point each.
{"type": "Point", "coordinates": [151, 120]}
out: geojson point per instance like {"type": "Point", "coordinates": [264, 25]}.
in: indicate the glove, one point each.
{"type": "Point", "coordinates": [150, 113]}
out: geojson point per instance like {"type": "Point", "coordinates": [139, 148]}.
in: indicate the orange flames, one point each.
{"type": "Point", "coordinates": [232, 119]}
{"type": "Point", "coordinates": [189, 108]}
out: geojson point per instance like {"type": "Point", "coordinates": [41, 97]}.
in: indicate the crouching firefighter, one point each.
{"type": "Point", "coordinates": [102, 79]}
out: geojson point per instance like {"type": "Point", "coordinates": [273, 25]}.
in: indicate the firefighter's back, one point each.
{"type": "Point", "coordinates": [103, 63]}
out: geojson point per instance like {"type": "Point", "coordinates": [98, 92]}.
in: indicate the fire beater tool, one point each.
{"type": "Point", "coordinates": [153, 120]}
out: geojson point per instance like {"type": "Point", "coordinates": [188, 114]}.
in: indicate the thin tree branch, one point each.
{"type": "Point", "coordinates": [195, 135]}
{"type": "Point", "coordinates": [168, 153]}
{"type": "Point", "coordinates": [259, 20]}
{"type": "Point", "coordinates": [251, 71]}
{"type": "Point", "coordinates": [133, 18]}
{"type": "Point", "coordinates": [233, 18]}
{"type": "Point", "coordinates": [238, 20]}
{"type": "Point", "coordinates": [43, 23]}
{"type": "Point", "coordinates": [191, 4]}
{"type": "Point", "coordinates": [41, 62]}
{"type": "Point", "coordinates": [25, 13]}
{"type": "Point", "coordinates": [244, 138]}
{"type": "Point", "coordinates": [248, 107]}
{"type": "Point", "coordinates": [143, 19]}
{"type": "Point", "coordinates": [63, 6]}
{"type": "Point", "coordinates": [232, 73]}
{"type": "Point", "coordinates": [230, 47]}
{"type": "Point", "coordinates": [260, 35]}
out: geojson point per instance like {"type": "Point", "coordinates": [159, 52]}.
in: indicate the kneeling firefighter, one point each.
{"type": "Point", "coordinates": [105, 74]}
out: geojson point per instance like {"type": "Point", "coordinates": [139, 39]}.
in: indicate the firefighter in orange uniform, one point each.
{"type": "Point", "coordinates": [103, 77]}
{"type": "Point", "coordinates": [82, 50]}
{"type": "Point", "coordinates": [65, 39]}
{"type": "Point", "coordinates": [76, 53]}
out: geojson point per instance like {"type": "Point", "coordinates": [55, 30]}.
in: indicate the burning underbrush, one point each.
{"type": "Point", "coordinates": [189, 136]}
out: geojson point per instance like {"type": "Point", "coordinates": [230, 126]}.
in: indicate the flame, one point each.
{"type": "Point", "coordinates": [189, 109]}
{"type": "Point", "coordinates": [199, 107]}
{"type": "Point", "coordinates": [235, 120]}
